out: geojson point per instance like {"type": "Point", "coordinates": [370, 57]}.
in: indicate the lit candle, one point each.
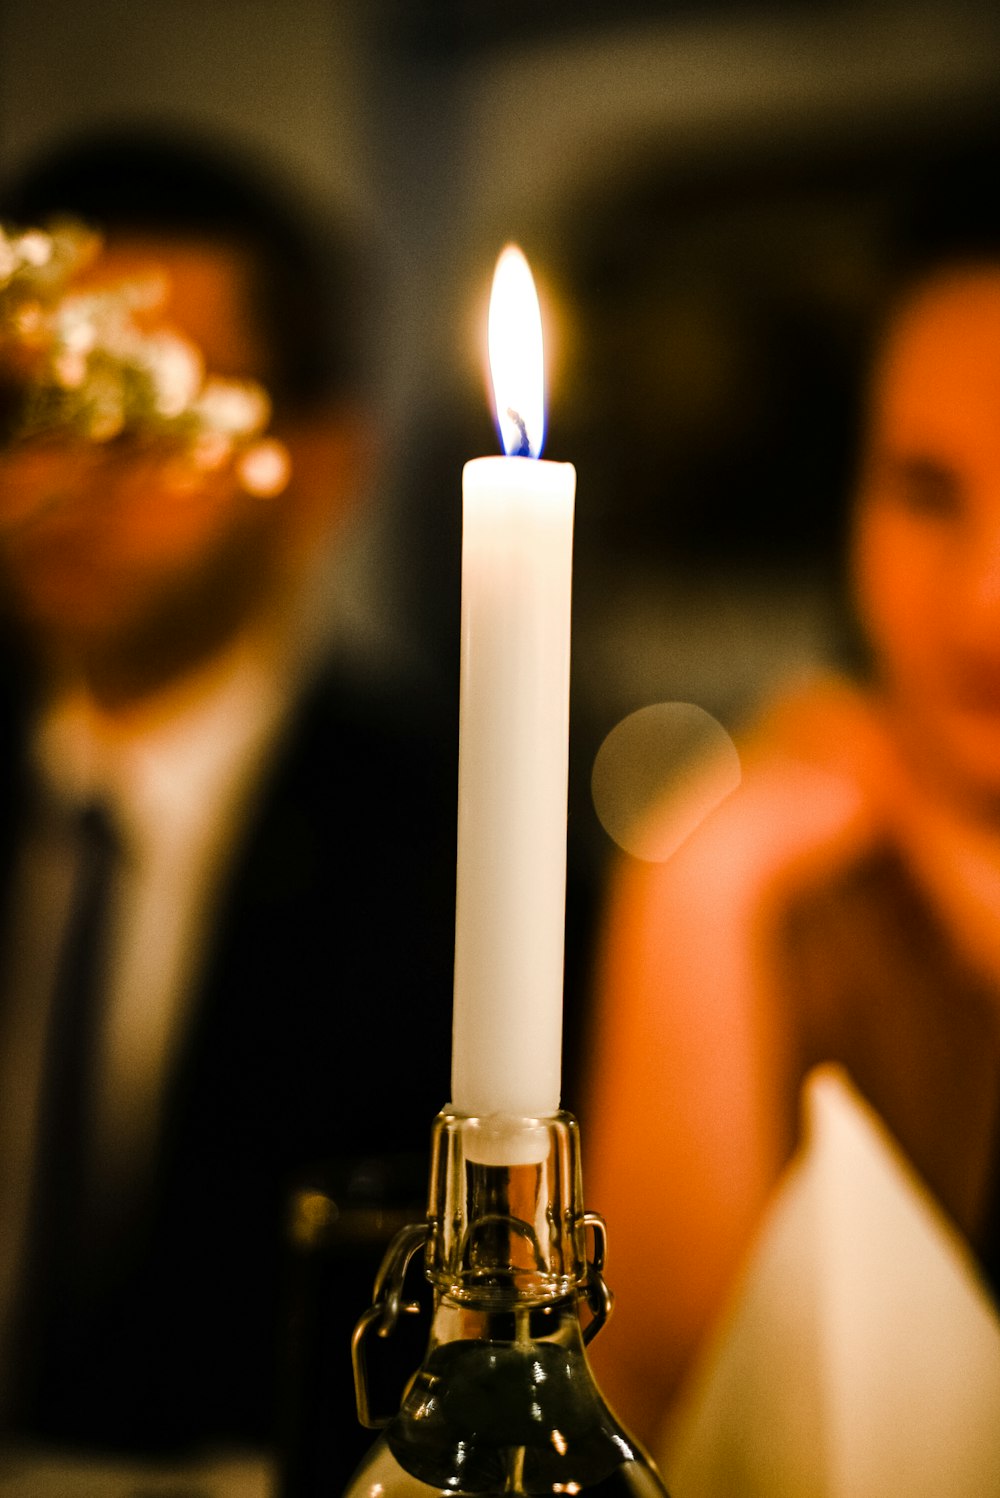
{"type": "Point", "coordinates": [514, 736]}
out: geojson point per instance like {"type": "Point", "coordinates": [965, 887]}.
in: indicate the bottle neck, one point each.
{"type": "Point", "coordinates": [506, 1226]}
{"type": "Point", "coordinates": [504, 1245]}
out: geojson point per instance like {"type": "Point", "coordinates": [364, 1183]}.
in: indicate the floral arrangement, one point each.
{"type": "Point", "coordinates": [76, 361]}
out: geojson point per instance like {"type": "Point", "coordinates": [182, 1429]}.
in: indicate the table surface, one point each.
{"type": "Point", "coordinates": [30, 1474]}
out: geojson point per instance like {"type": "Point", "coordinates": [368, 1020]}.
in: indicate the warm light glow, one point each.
{"type": "Point", "coordinates": [516, 360]}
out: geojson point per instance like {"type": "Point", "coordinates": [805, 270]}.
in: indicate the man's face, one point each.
{"type": "Point", "coordinates": [106, 547]}
{"type": "Point", "coordinates": [927, 539]}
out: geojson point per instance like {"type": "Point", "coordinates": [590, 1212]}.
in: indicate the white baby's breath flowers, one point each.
{"type": "Point", "coordinates": [84, 366]}
{"type": "Point", "coordinates": [234, 407]}
{"type": "Point", "coordinates": [176, 372]}
{"type": "Point", "coordinates": [38, 262]}
{"type": "Point", "coordinates": [35, 248]}
{"type": "Point", "coordinates": [24, 252]}
{"type": "Point", "coordinates": [264, 468]}
{"type": "Point", "coordinates": [211, 450]}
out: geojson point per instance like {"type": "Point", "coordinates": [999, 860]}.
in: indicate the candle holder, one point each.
{"type": "Point", "coordinates": [504, 1401]}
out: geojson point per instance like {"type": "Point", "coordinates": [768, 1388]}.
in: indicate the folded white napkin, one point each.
{"type": "Point", "coordinates": [860, 1356]}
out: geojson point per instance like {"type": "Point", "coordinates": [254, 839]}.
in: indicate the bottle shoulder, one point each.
{"type": "Point", "coordinates": [381, 1476]}
{"type": "Point", "coordinates": [485, 1418]}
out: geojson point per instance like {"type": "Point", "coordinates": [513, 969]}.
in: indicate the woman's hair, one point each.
{"type": "Point", "coordinates": [950, 211]}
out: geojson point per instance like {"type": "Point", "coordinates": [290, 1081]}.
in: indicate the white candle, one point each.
{"type": "Point", "coordinates": [514, 737]}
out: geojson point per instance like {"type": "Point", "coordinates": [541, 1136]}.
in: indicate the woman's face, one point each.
{"type": "Point", "coordinates": [927, 534]}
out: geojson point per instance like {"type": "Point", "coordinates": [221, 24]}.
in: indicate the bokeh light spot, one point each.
{"type": "Point", "coordinates": [658, 775]}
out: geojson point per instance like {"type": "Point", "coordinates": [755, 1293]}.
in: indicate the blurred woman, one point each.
{"type": "Point", "coordinates": [844, 904]}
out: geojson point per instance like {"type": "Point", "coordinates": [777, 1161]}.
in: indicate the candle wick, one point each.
{"type": "Point", "coordinates": [523, 449]}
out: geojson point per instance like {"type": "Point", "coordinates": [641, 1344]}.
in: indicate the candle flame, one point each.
{"type": "Point", "coordinates": [516, 359]}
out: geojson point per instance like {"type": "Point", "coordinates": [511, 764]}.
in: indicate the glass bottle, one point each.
{"type": "Point", "coordinates": [504, 1401]}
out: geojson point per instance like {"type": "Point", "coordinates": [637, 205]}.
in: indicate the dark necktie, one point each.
{"type": "Point", "coordinates": [62, 1248]}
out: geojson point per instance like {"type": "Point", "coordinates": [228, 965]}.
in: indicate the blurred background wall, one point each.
{"type": "Point", "coordinates": [703, 189]}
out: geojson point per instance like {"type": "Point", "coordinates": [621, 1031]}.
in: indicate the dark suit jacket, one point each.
{"type": "Point", "coordinates": [321, 1035]}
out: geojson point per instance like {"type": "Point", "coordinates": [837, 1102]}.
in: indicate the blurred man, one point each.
{"type": "Point", "coordinates": [273, 984]}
